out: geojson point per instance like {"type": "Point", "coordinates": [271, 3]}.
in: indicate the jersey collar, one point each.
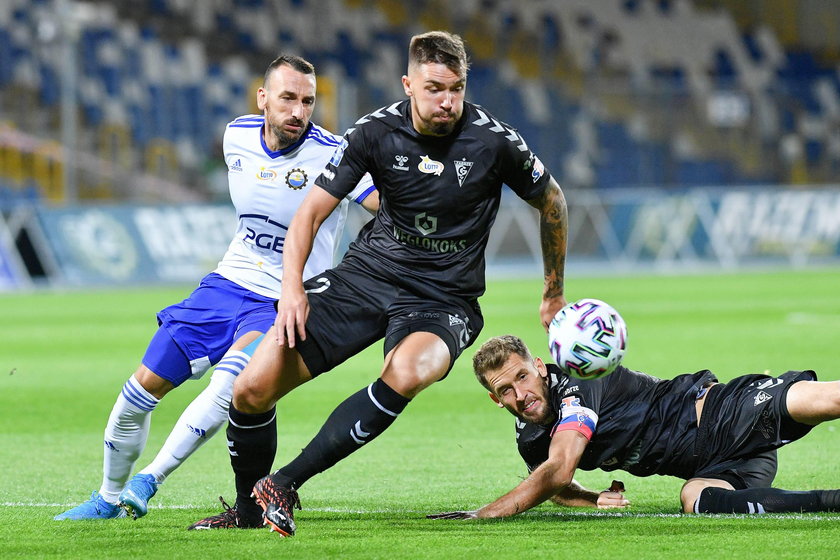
{"type": "Point", "coordinates": [287, 149]}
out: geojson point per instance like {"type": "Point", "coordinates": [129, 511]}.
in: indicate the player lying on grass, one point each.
{"type": "Point", "coordinates": [272, 161]}
{"type": "Point", "coordinates": [720, 437]}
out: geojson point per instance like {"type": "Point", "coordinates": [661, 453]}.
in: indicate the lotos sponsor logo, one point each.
{"type": "Point", "coordinates": [266, 174]}
{"type": "Point", "coordinates": [430, 166]}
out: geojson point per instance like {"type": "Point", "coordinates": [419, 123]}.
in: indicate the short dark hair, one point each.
{"type": "Point", "coordinates": [300, 64]}
{"type": "Point", "coordinates": [439, 47]}
{"type": "Point", "coordinates": [494, 353]}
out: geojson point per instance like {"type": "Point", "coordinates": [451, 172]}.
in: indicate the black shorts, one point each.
{"type": "Point", "coordinates": [742, 424]}
{"type": "Point", "coordinates": [351, 309]}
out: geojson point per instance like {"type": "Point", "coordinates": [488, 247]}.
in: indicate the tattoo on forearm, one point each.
{"type": "Point", "coordinates": [553, 232]}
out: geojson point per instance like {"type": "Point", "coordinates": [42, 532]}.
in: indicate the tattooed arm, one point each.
{"type": "Point", "coordinates": [553, 231]}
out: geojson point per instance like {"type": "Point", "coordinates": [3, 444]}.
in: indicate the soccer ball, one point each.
{"type": "Point", "coordinates": [587, 339]}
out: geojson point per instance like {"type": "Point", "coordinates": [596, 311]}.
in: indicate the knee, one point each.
{"type": "Point", "coordinates": [249, 397]}
{"type": "Point", "coordinates": [834, 398]}
{"type": "Point", "coordinates": [409, 377]}
{"type": "Point", "coordinates": [689, 494]}
{"type": "Point", "coordinates": [156, 385]}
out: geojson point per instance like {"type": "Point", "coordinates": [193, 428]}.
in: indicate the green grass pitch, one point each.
{"type": "Point", "coordinates": [65, 356]}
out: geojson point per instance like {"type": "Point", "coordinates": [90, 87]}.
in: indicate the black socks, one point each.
{"type": "Point", "coordinates": [252, 444]}
{"type": "Point", "coordinates": [766, 500]}
{"type": "Point", "coordinates": [356, 421]}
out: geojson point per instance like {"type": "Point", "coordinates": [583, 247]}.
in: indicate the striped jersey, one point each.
{"type": "Point", "coordinates": [266, 188]}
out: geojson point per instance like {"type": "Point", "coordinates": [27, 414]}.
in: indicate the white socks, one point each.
{"type": "Point", "coordinates": [125, 436]}
{"type": "Point", "coordinates": [201, 419]}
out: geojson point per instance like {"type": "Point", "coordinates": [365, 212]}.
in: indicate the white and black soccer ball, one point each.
{"type": "Point", "coordinates": [587, 339]}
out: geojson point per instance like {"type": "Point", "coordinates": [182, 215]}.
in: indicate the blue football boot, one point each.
{"type": "Point", "coordinates": [95, 508]}
{"type": "Point", "coordinates": [136, 495]}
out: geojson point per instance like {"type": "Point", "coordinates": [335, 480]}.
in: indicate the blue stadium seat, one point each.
{"type": "Point", "coordinates": [6, 57]}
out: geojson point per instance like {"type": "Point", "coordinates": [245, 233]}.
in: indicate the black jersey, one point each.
{"type": "Point", "coordinates": [637, 422]}
{"type": "Point", "coordinates": [439, 195]}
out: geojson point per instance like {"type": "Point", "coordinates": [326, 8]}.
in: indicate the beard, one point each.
{"type": "Point", "coordinates": [441, 128]}
{"type": "Point", "coordinates": [545, 418]}
{"type": "Point", "coordinates": [284, 138]}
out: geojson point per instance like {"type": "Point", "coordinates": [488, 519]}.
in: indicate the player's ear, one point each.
{"type": "Point", "coordinates": [406, 82]}
{"type": "Point", "coordinates": [262, 98]}
{"type": "Point", "coordinates": [495, 399]}
{"type": "Point", "coordinates": [542, 369]}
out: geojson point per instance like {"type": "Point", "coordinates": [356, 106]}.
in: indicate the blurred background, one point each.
{"type": "Point", "coordinates": [686, 134]}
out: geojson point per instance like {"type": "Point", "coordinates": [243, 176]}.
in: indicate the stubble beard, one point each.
{"type": "Point", "coordinates": [441, 128]}
{"type": "Point", "coordinates": [283, 138]}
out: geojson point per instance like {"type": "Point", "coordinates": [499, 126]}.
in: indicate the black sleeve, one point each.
{"type": "Point", "coordinates": [347, 165]}
{"type": "Point", "coordinates": [522, 170]}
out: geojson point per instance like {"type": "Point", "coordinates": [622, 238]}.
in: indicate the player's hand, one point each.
{"type": "Point", "coordinates": [549, 308]}
{"type": "Point", "coordinates": [292, 312]}
{"type": "Point", "coordinates": [454, 515]}
{"type": "Point", "coordinates": [613, 497]}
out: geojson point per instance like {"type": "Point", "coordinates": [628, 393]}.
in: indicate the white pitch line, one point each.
{"type": "Point", "coordinates": [584, 514]}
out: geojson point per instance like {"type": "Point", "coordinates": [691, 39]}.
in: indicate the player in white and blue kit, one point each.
{"type": "Point", "coordinates": [272, 161]}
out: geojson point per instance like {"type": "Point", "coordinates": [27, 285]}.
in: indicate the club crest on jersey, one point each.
{"type": "Point", "coordinates": [401, 163]}
{"type": "Point", "coordinates": [428, 165]}
{"type": "Point", "coordinates": [462, 169]}
{"type": "Point", "coordinates": [266, 174]}
{"type": "Point", "coordinates": [296, 178]}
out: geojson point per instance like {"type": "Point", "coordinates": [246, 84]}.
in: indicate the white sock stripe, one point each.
{"type": "Point", "coordinates": [138, 396]}
{"type": "Point", "coordinates": [378, 405]}
{"type": "Point", "coordinates": [273, 416]}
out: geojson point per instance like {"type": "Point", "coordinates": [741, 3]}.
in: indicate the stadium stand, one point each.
{"type": "Point", "coordinates": [610, 94]}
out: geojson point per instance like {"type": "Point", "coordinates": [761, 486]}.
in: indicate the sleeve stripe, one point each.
{"type": "Point", "coordinates": [365, 194]}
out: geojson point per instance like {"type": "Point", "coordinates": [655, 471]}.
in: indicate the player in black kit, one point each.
{"type": "Point", "coordinates": [644, 425]}
{"type": "Point", "coordinates": [413, 276]}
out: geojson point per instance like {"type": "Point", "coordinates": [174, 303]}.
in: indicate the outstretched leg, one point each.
{"type": "Point", "coordinates": [413, 364]}
{"type": "Point", "coordinates": [198, 423]}
{"type": "Point", "coordinates": [703, 495]}
{"type": "Point", "coordinates": [125, 437]}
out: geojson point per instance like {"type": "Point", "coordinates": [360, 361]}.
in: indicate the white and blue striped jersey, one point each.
{"type": "Point", "coordinates": [266, 189]}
